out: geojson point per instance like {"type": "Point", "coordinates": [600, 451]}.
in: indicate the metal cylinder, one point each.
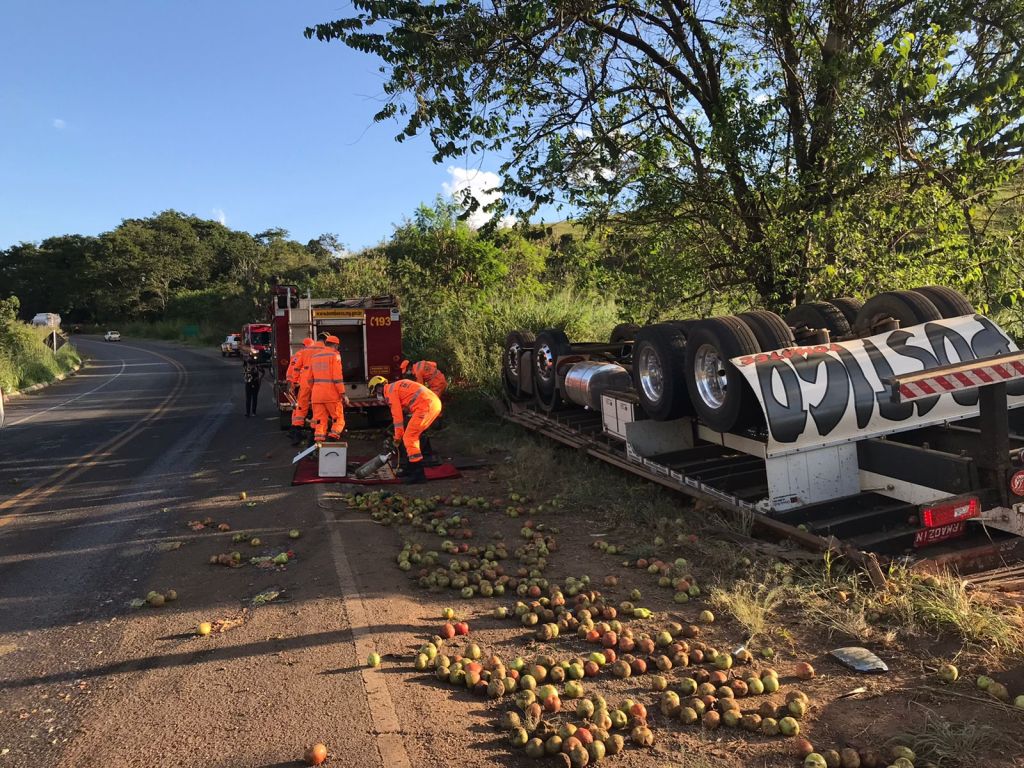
{"type": "Point", "coordinates": [587, 380]}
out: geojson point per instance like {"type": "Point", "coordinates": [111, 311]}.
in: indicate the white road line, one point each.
{"type": "Point", "coordinates": [76, 397]}
{"type": "Point", "coordinates": [383, 717]}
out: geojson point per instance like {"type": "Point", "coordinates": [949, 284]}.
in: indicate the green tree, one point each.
{"type": "Point", "coordinates": [744, 132]}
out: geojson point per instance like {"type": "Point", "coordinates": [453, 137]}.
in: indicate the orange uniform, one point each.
{"type": "Point", "coordinates": [422, 405]}
{"type": "Point", "coordinates": [429, 375]}
{"type": "Point", "coordinates": [325, 382]}
{"type": "Point", "coordinates": [303, 394]}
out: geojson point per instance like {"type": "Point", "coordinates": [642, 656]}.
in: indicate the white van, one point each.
{"type": "Point", "coordinates": [47, 319]}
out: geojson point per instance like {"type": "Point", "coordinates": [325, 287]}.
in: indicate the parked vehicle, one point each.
{"type": "Point", "coordinates": [112, 336]}
{"type": "Point", "coordinates": [230, 345]}
{"type": "Point", "coordinates": [255, 343]}
{"type": "Point", "coordinates": [47, 320]}
{"type": "Point", "coordinates": [891, 425]}
{"type": "Point", "coordinates": [370, 330]}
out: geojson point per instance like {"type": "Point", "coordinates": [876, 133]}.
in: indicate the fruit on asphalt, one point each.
{"type": "Point", "coordinates": [999, 691]}
{"type": "Point", "coordinates": [204, 628]}
{"type": "Point", "coordinates": [155, 599]}
{"type": "Point", "coordinates": [802, 747]}
{"type": "Point", "coordinates": [948, 673]}
{"type": "Point", "coordinates": [534, 748]}
{"type": "Point", "coordinates": [294, 533]}
{"type": "Point", "coordinates": [373, 660]}
{"type": "Point", "coordinates": [254, 542]}
{"type": "Point", "coordinates": [788, 726]}
{"type": "Point", "coordinates": [171, 595]}
{"type": "Point", "coordinates": [848, 758]}
{"type": "Point", "coordinates": [316, 755]}
{"type": "Point", "coordinates": [804, 671]}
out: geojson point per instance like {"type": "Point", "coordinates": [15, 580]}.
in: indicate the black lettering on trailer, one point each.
{"type": "Point", "coordinates": [787, 417]}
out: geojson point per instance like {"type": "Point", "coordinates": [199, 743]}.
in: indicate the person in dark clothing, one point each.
{"type": "Point", "coordinates": [253, 375]}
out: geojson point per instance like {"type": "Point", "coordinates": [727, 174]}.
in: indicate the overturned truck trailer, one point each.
{"type": "Point", "coordinates": [893, 426]}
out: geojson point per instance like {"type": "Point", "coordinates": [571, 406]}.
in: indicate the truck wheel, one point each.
{"type": "Point", "coordinates": [907, 307]}
{"type": "Point", "coordinates": [717, 389]}
{"type": "Point", "coordinates": [849, 306]}
{"type": "Point", "coordinates": [769, 329]}
{"type": "Point", "coordinates": [515, 343]}
{"type": "Point", "coordinates": [624, 332]}
{"type": "Point", "coordinates": [550, 345]}
{"type": "Point", "coordinates": [950, 302]}
{"type": "Point", "coordinates": [817, 315]}
{"type": "Point", "coordinates": [659, 372]}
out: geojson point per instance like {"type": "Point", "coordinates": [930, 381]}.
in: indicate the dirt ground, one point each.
{"type": "Point", "coordinates": [292, 671]}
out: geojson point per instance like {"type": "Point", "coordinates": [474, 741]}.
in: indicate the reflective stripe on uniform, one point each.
{"type": "Point", "coordinates": [414, 398]}
{"type": "Point", "coordinates": [328, 381]}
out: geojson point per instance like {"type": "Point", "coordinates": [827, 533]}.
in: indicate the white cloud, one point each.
{"type": "Point", "coordinates": [59, 124]}
{"type": "Point", "coordinates": [219, 215]}
{"type": "Point", "coordinates": [483, 185]}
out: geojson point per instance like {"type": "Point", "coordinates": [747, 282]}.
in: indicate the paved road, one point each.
{"type": "Point", "coordinates": [98, 474]}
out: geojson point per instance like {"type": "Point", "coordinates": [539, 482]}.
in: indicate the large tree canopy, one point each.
{"type": "Point", "coordinates": [770, 144]}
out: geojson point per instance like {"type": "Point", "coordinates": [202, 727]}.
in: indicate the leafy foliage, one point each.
{"type": "Point", "coordinates": [764, 149]}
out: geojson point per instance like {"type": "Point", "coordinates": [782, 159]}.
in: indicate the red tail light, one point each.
{"type": "Point", "coordinates": [950, 512]}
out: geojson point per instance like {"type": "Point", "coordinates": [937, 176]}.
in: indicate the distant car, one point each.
{"type": "Point", "coordinates": [112, 336]}
{"type": "Point", "coordinates": [230, 346]}
{"type": "Point", "coordinates": [47, 319]}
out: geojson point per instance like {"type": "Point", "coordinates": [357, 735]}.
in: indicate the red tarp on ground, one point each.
{"type": "Point", "coordinates": [306, 472]}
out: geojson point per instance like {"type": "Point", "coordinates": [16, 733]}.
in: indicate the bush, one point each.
{"type": "Point", "coordinates": [26, 360]}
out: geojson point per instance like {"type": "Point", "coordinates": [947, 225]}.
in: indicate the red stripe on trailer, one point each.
{"type": "Point", "coordinates": [945, 383]}
{"type": "Point", "coordinates": [925, 387]}
{"type": "Point", "coordinates": [964, 379]}
{"type": "Point", "coordinates": [1018, 367]}
{"type": "Point", "coordinates": [906, 393]}
{"type": "Point", "coordinates": [981, 374]}
{"type": "Point", "coordinates": [999, 371]}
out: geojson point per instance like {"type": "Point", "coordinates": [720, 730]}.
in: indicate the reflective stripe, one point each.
{"type": "Point", "coordinates": [328, 381]}
{"type": "Point", "coordinates": [414, 398]}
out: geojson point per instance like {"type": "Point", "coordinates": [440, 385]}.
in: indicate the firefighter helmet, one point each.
{"type": "Point", "coordinates": [375, 384]}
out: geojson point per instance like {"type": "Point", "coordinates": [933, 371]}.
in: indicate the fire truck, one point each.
{"type": "Point", "coordinates": [889, 427]}
{"type": "Point", "coordinates": [255, 342]}
{"type": "Point", "coordinates": [369, 329]}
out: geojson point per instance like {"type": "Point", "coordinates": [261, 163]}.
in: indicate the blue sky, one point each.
{"type": "Point", "coordinates": [111, 109]}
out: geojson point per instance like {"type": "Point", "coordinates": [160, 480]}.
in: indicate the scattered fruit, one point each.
{"type": "Point", "coordinates": [373, 660]}
{"type": "Point", "coordinates": [204, 628]}
{"type": "Point", "coordinates": [316, 755]}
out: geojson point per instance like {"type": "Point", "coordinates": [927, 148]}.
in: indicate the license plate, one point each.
{"type": "Point", "coordinates": [927, 536]}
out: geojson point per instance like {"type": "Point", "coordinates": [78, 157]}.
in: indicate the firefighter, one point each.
{"type": "Point", "coordinates": [422, 405]}
{"type": "Point", "coordinates": [252, 374]}
{"type": "Point", "coordinates": [325, 381]}
{"type": "Point", "coordinates": [296, 364]}
{"type": "Point", "coordinates": [301, 408]}
{"type": "Point", "coordinates": [428, 374]}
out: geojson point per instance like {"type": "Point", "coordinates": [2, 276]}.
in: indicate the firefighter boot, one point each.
{"type": "Point", "coordinates": [430, 459]}
{"type": "Point", "coordinates": [415, 474]}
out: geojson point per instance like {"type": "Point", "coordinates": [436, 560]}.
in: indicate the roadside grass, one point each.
{"type": "Point", "coordinates": [26, 360]}
{"type": "Point", "coordinates": [751, 604]}
{"type": "Point", "coordinates": [954, 743]}
{"type": "Point", "coordinates": [911, 606]}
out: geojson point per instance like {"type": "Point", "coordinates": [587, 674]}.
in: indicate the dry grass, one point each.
{"type": "Point", "coordinates": [751, 605]}
{"type": "Point", "coordinates": [955, 744]}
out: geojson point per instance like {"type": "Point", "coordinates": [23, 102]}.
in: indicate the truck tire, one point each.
{"type": "Point", "coordinates": [907, 307]}
{"type": "Point", "coordinates": [624, 332]}
{"type": "Point", "coordinates": [849, 306]}
{"type": "Point", "coordinates": [659, 372]}
{"type": "Point", "coordinates": [950, 302]}
{"type": "Point", "coordinates": [515, 342]}
{"type": "Point", "coordinates": [717, 389]}
{"type": "Point", "coordinates": [818, 315]}
{"type": "Point", "coordinates": [769, 329]}
{"type": "Point", "coordinates": [549, 345]}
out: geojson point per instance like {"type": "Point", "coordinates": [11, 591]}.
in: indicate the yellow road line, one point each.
{"type": "Point", "coordinates": [43, 490]}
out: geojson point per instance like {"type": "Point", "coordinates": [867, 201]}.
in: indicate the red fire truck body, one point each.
{"type": "Point", "coordinates": [369, 329]}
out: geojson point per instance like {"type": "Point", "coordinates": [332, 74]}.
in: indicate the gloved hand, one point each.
{"type": "Point", "coordinates": [346, 401]}
{"type": "Point", "coordinates": [396, 443]}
